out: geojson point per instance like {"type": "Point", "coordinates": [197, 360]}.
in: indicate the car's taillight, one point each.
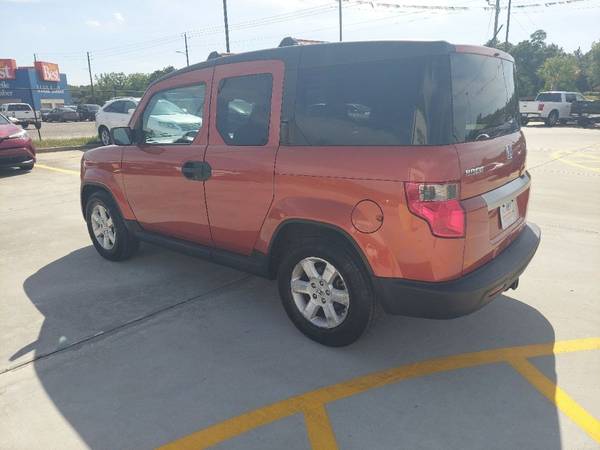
{"type": "Point", "coordinates": [439, 205]}
{"type": "Point", "coordinates": [540, 106]}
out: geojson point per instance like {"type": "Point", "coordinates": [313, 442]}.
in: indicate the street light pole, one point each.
{"type": "Point", "coordinates": [340, 14]}
{"type": "Point", "coordinates": [507, 21]}
{"type": "Point", "coordinates": [496, 22]}
{"type": "Point", "coordinates": [187, 58]}
{"type": "Point", "coordinates": [226, 25]}
{"type": "Point", "coordinates": [90, 71]}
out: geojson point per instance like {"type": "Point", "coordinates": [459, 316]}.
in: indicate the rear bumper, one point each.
{"type": "Point", "coordinates": [448, 299]}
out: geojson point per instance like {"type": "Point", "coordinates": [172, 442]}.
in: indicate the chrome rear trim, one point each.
{"type": "Point", "coordinates": [494, 199]}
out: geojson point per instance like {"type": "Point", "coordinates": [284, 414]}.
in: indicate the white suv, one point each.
{"type": "Point", "coordinates": [114, 113]}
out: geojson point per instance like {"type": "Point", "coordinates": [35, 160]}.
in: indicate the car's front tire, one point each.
{"type": "Point", "coordinates": [326, 292]}
{"type": "Point", "coordinates": [106, 227]}
{"type": "Point", "coordinates": [104, 135]}
{"type": "Point", "coordinates": [26, 167]}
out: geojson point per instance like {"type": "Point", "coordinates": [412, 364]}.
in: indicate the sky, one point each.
{"type": "Point", "coordinates": [142, 36]}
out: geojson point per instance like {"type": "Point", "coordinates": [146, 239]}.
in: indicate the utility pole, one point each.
{"type": "Point", "coordinates": [90, 70]}
{"type": "Point", "coordinates": [187, 58]}
{"type": "Point", "coordinates": [340, 11]}
{"type": "Point", "coordinates": [226, 25]}
{"type": "Point", "coordinates": [507, 22]}
{"type": "Point", "coordinates": [496, 22]}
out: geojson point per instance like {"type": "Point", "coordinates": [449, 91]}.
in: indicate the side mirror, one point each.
{"type": "Point", "coordinates": [130, 111]}
{"type": "Point", "coordinates": [122, 135]}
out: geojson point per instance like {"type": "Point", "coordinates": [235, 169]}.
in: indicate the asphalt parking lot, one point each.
{"type": "Point", "coordinates": [62, 130]}
{"type": "Point", "coordinates": [168, 350]}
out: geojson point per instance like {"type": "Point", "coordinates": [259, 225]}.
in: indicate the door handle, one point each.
{"type": "Point", "coordinates": [196, 170]}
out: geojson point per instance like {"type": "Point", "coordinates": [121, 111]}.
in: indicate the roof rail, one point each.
{"type": "Point", "coordinates": [289, 41]}
{"type": "Point", "coordinates": [216, 54]}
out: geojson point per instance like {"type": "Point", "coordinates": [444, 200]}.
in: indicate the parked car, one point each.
{"type": "Point", "coordinates": [87, 111]}
{"type": "Point", "coordinates": [44, 113]}
{"type": "Point", "coordinates": [415, 197]}
{"type": "Point", "coordinates": [63, 114]}
{"type": "Point", "coordinates": [549, 107]}
{"type": "Point", "coordinates": [586, 112]}
{"type": "Point", "coordinates": [16, 148]}
{"type": "Point", "coordinates": [23, 113]}
{"type": "Point", "coordinates": [114, 113]}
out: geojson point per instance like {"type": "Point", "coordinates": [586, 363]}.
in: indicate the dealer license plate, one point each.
{"type": "Point", "coordinates": [508, 213]}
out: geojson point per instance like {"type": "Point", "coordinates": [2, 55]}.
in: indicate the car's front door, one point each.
{"type": "Point", "coordinates": [164, 173]}
{"type": "Point", "coordinates": [243, 142]}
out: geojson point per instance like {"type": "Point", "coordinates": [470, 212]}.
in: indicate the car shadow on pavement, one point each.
{"type": "Point", "coordinates": [226, 347]}
{"type": "Point", "coordinates": [7, 172]}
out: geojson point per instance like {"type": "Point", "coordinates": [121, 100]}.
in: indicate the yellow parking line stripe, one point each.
{"type": "Point", "coordinates": [57, 169]}
{"type": "Point", "coordinates": [309, 401]}
{"type": "Point", "coordinates": [564, 158]}
{"type": "Point", "coordinates": [318, 426]}
{"type": "Point", "coordinates": [559, 397]}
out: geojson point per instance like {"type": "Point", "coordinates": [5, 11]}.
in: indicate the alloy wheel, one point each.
{"type": "Point", "coordinates": [319, 292]}
{"type": "Point", "coordinates": [103, 227]}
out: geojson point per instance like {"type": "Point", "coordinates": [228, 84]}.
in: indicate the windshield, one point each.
{"type": "Point", "coordinates": [484, 99]}
{"type": "Point", "coordinates": [3, 120]}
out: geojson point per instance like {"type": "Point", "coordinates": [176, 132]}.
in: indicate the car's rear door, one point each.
{"type": "Point", "coordinates": [243, 142]}
{"type": "Point", "coordinates": [164, 173]}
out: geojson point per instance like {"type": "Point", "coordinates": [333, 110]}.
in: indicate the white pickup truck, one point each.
{"type": "Point", "coordinates": [23, 113]}
{"type": "Point", "coordinates": [549, 107]}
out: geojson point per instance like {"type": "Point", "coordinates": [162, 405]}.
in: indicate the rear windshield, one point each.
{"type": "Point", "coordinates": [484, 99]}
{"type": "Point", "coordinates": [397, 102]}
{"type": "Point", "coordinates": [548, 97]}
{"type": "Point", "coordinates": [19, 108]}
{"type": "Point", "coordinates": [92, 107]}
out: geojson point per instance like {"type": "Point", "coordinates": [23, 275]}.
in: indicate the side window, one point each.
{"type": "Point", "coordinates": [114, 107]}
{"type": "Point", "coordinates": [127, 105]}
{"type": "Point", "coordinates": [174, 116]}
{"type": "Point", "coordinates": [244, 109]}
{"type": "Point", "coordinates": [569, 98]}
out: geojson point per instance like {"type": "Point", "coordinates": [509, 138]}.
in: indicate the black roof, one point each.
{"type": "Point", "coordinates": [332, 53]}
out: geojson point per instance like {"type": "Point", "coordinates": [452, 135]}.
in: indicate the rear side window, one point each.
{"type": "Point", "coordinates": [174, 116]}
{"type": "Point", "coordinates": [244, 109]}
{"type": "Point", "coordinates": [548, 97]}
{"type": "Point", "coordinates": [393, 102]}
{"type": "Point", "coordinates": [570, 98]}
{"type": "Point", "coordinates": [114, 107]}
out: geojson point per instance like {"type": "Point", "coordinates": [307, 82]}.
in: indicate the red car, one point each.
{"type": "Point", "coordinates": [357, 174]}
{"type": "Point", "coordinates": [16, 148]}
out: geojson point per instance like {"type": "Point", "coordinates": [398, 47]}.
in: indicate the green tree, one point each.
{"type": "Point", "coordinates": [560, 72]}
{"type": "Point", "coordinates": [593, 66]}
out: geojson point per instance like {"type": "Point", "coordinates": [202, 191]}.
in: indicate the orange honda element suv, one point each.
{"type": "Point", "coordinates": [358, 175]}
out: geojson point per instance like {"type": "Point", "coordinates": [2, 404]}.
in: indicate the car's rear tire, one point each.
{"type": "Point", "coordinates": [524, 121]}
{"type": "Point", "coordinates": [326, 292]}
{"type": "Point", "coordinates": [104, 135]}
{"type": "Point", "coordinates": [552, 118]}
{"type": "Point", "coordinates": [26, 167]}
{"type": "Point", "coordinates": [24, 125]}
{"type": "Point", "coordinates": [106, 227]}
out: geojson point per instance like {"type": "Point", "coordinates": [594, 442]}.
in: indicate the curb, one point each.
{"type": "Point", "coordinates": [67, 148]}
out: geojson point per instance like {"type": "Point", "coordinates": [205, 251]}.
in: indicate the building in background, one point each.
{"type": "Point", "coordinates": [41, 86]}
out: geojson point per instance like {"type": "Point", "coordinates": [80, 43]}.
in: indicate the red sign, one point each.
{"type": "Point", "coordinates": [47, 71]}
{"type": "Point", "coordinates": [8, 69]}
